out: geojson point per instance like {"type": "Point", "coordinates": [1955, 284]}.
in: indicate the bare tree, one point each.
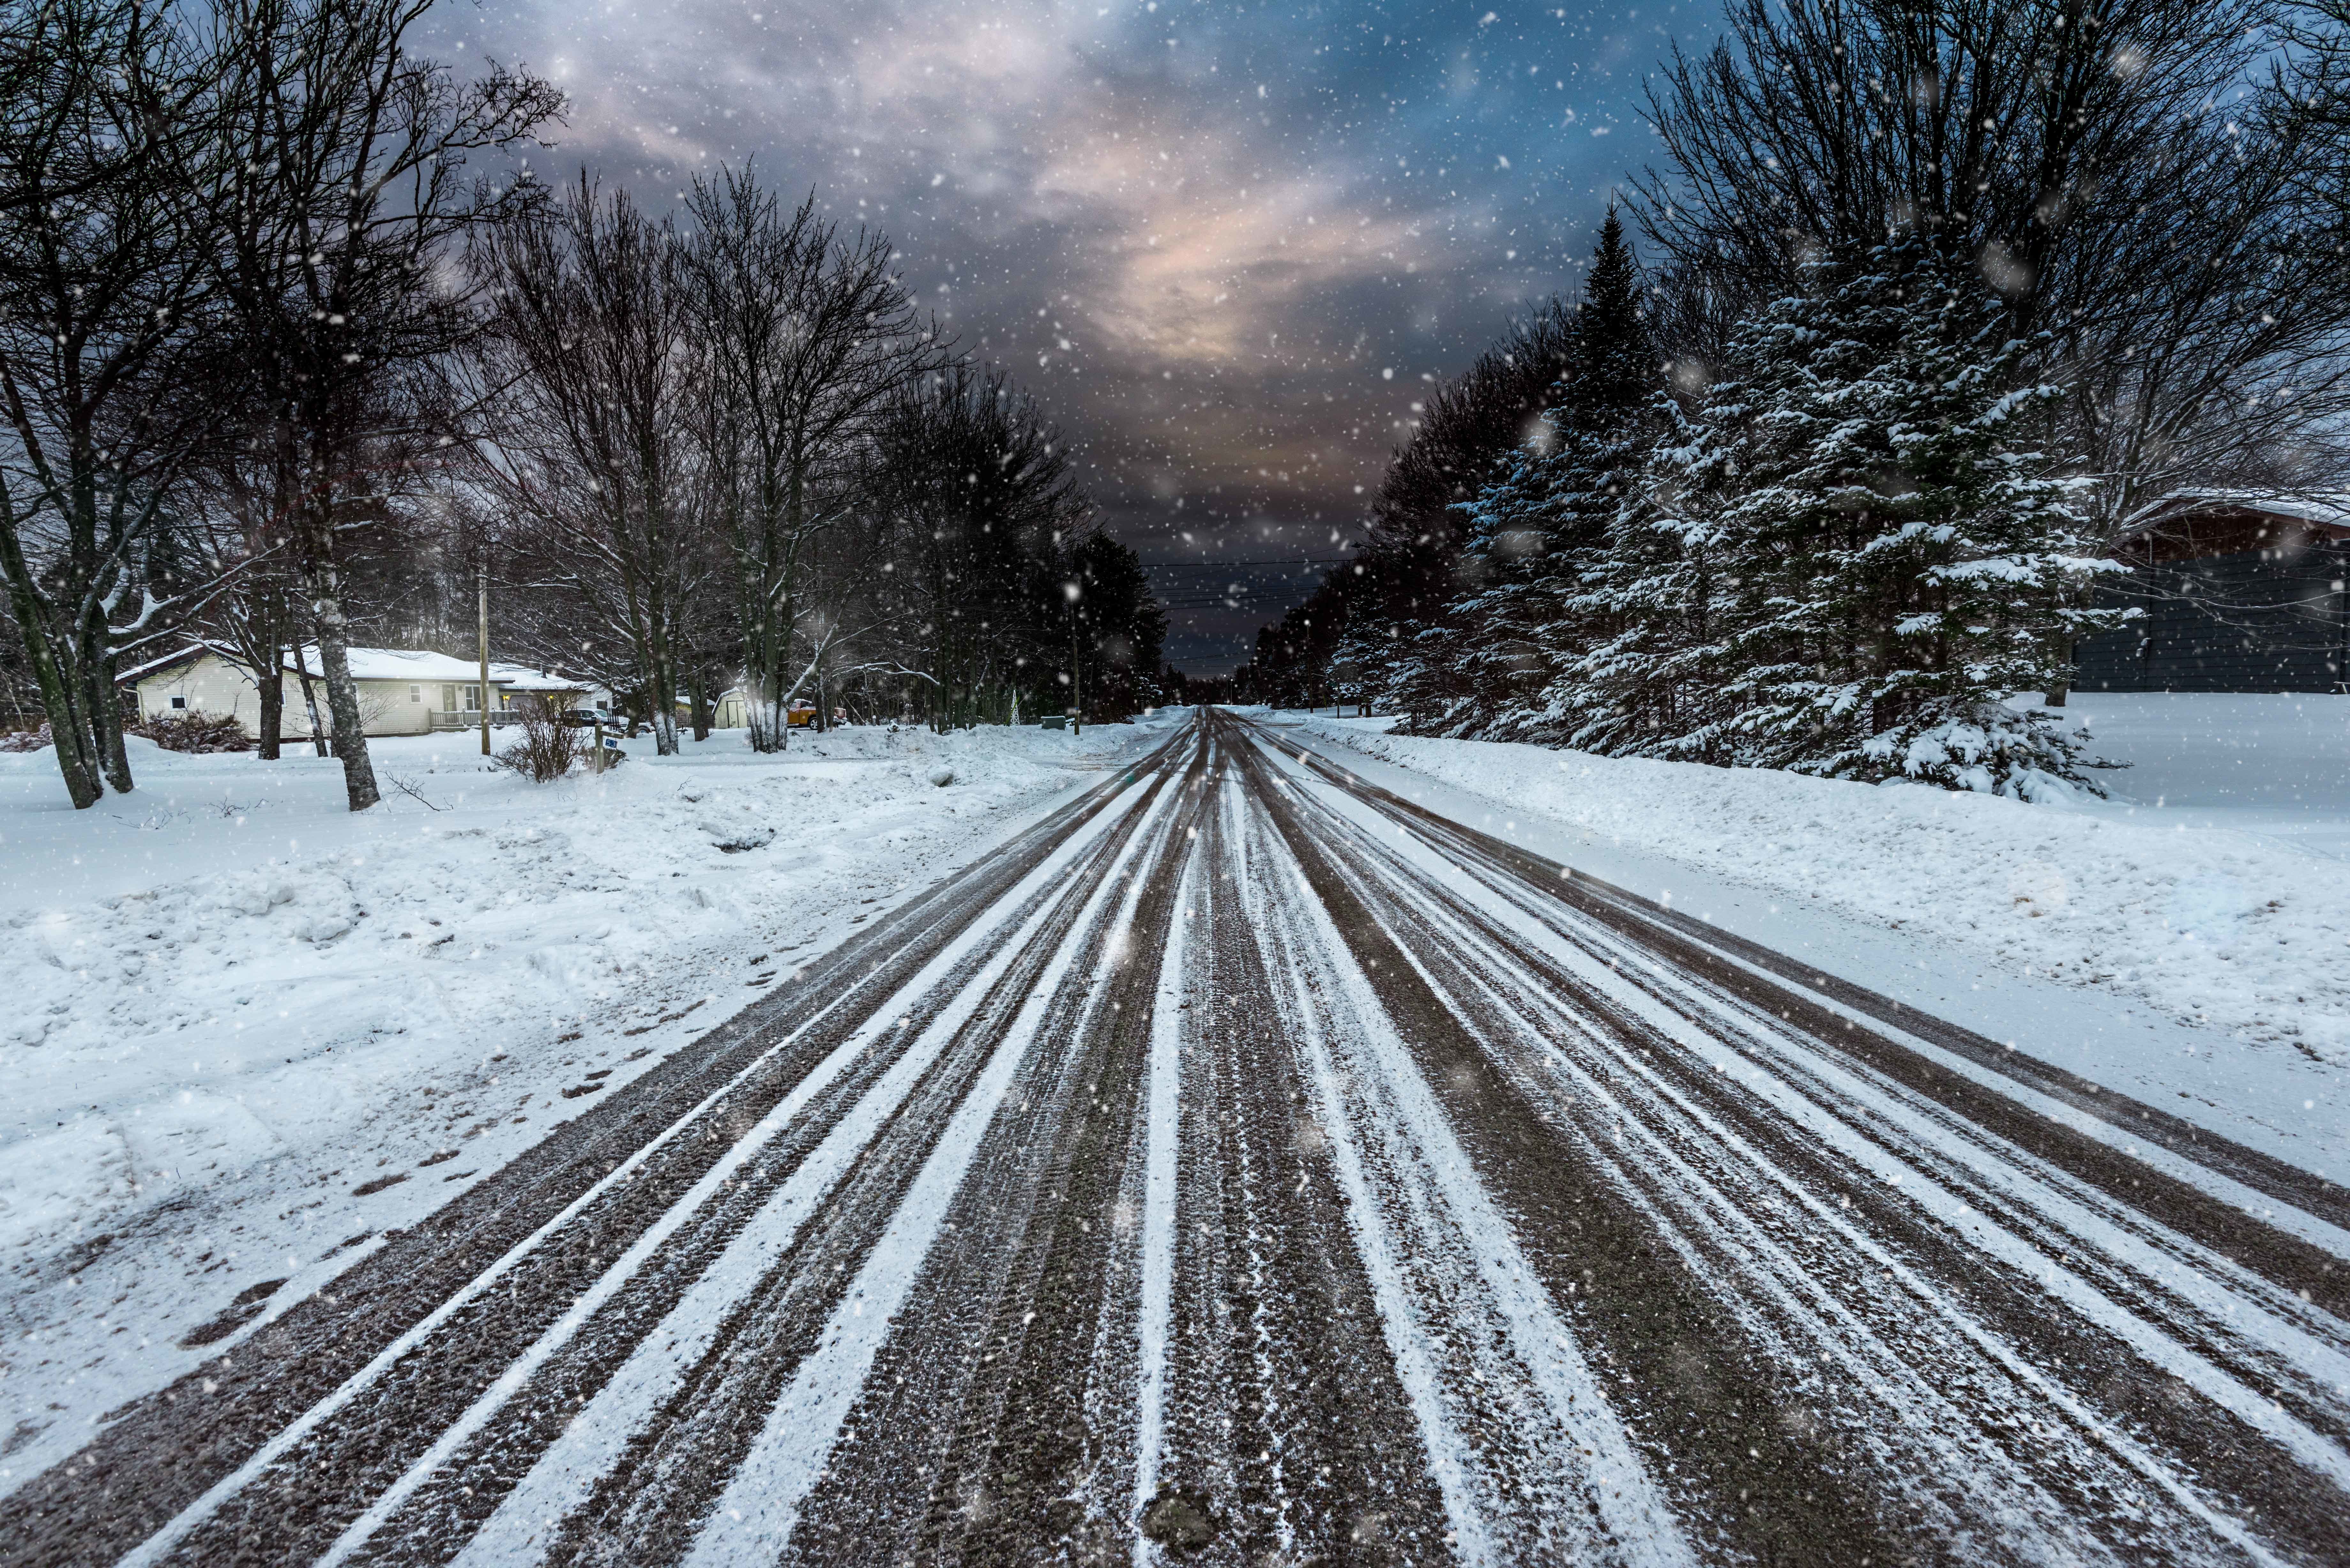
{"type": "Point", "coordinates": [587, 445]}
{"type": "Point", "coordinates": [348, 193]}
{"type": "Point", "coordinates": [103, 305]}
{"type": "Point", "coordinates": [2103, 164]}
{"type": "Point", "coordinates": [986, 514]}
{"type": "Point", "coordinates": [257, 617]}
{"type": "Point", "coordinates": [808, 333]}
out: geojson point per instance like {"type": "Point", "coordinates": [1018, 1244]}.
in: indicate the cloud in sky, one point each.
{"type": "Point", "coordinates": [1202, 232]}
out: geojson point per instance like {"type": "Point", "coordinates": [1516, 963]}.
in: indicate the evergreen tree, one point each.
{"type": "Point", "coordinates": [1648, 680]}
{"type": "Point", "coordinates": [1393, 613]}
{"type": "Point", "coordinates": [1537, 534]}
{"type": "Point", "coordinates": [1854, 560]}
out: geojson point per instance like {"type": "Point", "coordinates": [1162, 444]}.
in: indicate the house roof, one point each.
{"type": "Point", "coordinates": [399, 664]}
{"type": "Point", "coordinates": [187, 655]}
{"type": "Point", "coordinates": [523, 678]}
{"type": "Point", "coordinates": [2330, 513]}
{"type": "Point", "coordinates": [387, 664]}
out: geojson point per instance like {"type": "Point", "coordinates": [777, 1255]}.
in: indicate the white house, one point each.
{"type": "Point", "coordinates": [402, 692]}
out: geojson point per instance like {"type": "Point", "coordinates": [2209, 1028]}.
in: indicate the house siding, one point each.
{"type": "Point", "coordinates": [211, 684]}
{"type": "Point", "coordinates": [2255, 621]}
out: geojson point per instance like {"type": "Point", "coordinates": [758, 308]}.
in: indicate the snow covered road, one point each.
{"type": "Point", "coordinates": [1244, 1165]}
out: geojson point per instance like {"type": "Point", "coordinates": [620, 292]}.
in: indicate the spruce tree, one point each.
{"type": "Point", "coordinates": [1854, 559]}
{"type": "Point", "coordinates": [1649, 679]}
{"type": "Point", "coordinates": [1537, 534]}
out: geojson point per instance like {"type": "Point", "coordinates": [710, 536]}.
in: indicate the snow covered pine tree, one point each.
{"type": "Point", "coordinates": [1538, 533]}
{"type": "Point", "coordinates": [1858, 546]}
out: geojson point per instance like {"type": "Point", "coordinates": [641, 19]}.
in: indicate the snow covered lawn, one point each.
{"type": "Point", "coordinates": [244, 1031]}
{"type": "Point", "coordinates": [2212, 890]}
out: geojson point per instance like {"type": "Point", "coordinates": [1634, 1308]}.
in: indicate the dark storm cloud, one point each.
{"type": "Point", "coordinates": [1224, 242]}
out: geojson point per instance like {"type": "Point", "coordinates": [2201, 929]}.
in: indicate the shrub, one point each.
{"type": "Point", "coordinates": [27, 740]}
{"type": "Point", "coordinates": [550, 744]}
{"type": "Point", "coordinates": [193, 732]}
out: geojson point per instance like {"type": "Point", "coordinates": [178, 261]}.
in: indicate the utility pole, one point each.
{"type": "Point", "coordinates": [483, 580]}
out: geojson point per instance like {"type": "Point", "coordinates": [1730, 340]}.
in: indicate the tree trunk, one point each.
{"type": "Point", "coordinates": [342, 691]}
{"type": "Point", "coordinates": [697, 697]}
{"type": "Point", "coordinates": [664, 677]}
{"type": "Point", "coordinates": [68, 725]}
{"type": "Point", "coordinates": [765, 677]}
{"type": "Point", "coordinates": [106, 722]}
{"type": "Point", "coordinates": [310, 696]}
{"type": "Point", "coordinates": [269, 685]}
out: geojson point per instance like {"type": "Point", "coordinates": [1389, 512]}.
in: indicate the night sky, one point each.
{"type": "Point", "coordinates": [1226, 245]}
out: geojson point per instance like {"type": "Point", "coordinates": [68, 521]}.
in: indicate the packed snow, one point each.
{"type": "Point", "coordinates": [249, 1031]}
{"type": "Point", "coordinates": [2210, 887]}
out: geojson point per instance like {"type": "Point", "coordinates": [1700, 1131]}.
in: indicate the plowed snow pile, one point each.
{"type": "Point", "coordinates": [2209, 888]}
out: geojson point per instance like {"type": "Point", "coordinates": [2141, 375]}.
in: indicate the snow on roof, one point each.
{"type": "Point", "coordinates": [193, 651]}
{"type": "Point", "coordinates": [523, 678]}
{"type": "Point", "coordinates": [2330, 512]}
{"type": "Point", "coordinates": [399, 664]}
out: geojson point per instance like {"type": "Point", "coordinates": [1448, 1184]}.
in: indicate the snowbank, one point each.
{"type": "Point", "coordinates": [245, 1029]}
{"type": "Point", "coordinates": [2242, 928]}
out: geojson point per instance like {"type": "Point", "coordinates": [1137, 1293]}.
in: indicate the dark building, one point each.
{"type": "Point", "coordinates": [2242, 591]}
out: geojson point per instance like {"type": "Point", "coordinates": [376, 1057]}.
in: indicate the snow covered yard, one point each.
{"type": "Point", "coordinates": [246, 1031]}
{"type": "Point", "coordinates": [2274, 764]}
{"type": "Point", "coordinates": [2209, 890]}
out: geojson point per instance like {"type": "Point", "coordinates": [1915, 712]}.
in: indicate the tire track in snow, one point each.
{"type": "Point", "coordinates": [593, 1438]}
{"type": "Point", "coordinates": [1287, 1435]}
{"type": "Point", "coordinates": [1715, 1216]}
{"type": "Point", "coordinates": [2086, 1130]}
{"type": "Point", "coordinates": [755, 1515]}
{"type": "Point", "coordinates": [2193, 1292]}
{"type": "Point", "coordinates": [1707, 1406]}
{"type": "Point", "coordinates": [1156, 1247]}
{"type": "Point", "coordinates": [613, 1170]}
{"type": "Point", "coordinates": [2067, 1363]}
{"type": "Point", "coordinates": [1550, 1468]}
{"type": "Point", "coordinates": [1046, 1420]}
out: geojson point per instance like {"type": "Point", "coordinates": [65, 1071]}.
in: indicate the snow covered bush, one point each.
{"type": "Point", "coordinates": [27, 740]}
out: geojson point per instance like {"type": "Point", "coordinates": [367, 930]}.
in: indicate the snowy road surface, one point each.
{"type": "Point", "coordinates": [1242, 1167]}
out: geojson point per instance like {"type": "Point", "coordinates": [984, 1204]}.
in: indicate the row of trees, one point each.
{"type": "Point", "coordinates": [292, 344]}
{"type": "Point", "coordinates": [722, 446]}
{"type": "Point", "coordinates": [1941, 293]}
{"type": "Point", "coordinates": [223, 234]}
